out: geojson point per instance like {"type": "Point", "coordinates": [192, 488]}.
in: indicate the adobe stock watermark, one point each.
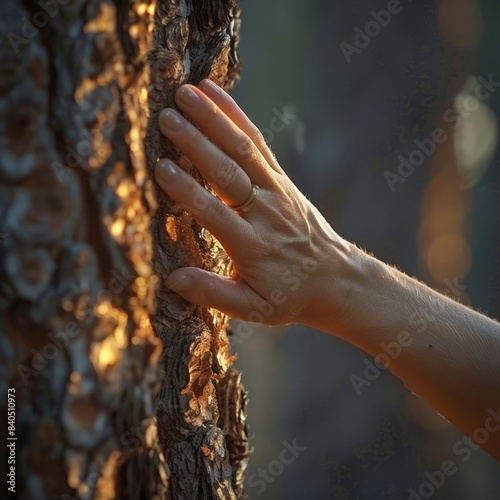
{"type": "Point", "coordinates": [423, 317]}
{"type": "Point", "coordinates": [225, 173]}
{"type": "Point", "coordinates": [279, 122]}
{"type": "Point", "coordinates": [79, 155]}
{"type": "Point", "coordinates": [90, 142]}
{"type": "Point", "coordinates": [59, 340]}
{"type": "Point", "coordinates": [275, 468]}
{"type": "Point", "coordinates": [95, 472]}
{"type": "Point", "coordinates": [132, 441]}
{"type": "Point", "coordinates": [40, 19]}
{"type": "Point", "coordinates": [464, 449]}
{"type": "Point", "coordinates": [389, 352]}
{"type": "Point", "coordinates": [454, 287]}
{"type": "Point", "coordinates": [373, 28]}
{"type": "Point", "coordinates": [454, 115]}
{"type": "Point", "coordinates": [291, 279]}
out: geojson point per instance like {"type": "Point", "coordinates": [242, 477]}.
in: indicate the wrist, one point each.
{"type": "Point", "coordinates": [341, 302]}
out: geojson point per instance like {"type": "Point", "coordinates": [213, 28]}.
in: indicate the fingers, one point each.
{"type": "Point", "coordinates": [227, 179]}
{"type": "Point", "coordinates": [228, 105]}
{"type": "Point", "coordinates": [223, 132]}
{"type": "Point", "coordinates": [233, 297]}
{"type": "Point", "coordinates": [228, 227]}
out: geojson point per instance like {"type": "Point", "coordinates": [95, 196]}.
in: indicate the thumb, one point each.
{"type": "Point", "coordinates": [233, 297]}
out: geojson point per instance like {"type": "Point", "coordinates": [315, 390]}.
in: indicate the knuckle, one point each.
{"type": "Point", "coordinates": [194, 195]}
{"type": "Point", "coordinates": [257, 137]}
{"type": "Point", "coordinates": [213, 211]}
{"type": "Point", "coordinates": [213, 113]}
{"type": "Point", "coordinates": [227, 173]}
{"type": "Point", "coordinates": [245, 147]}
{"type": "Point", "coordinates": [196, 139]}
{"type": "Point", "coordinates": [260, 247]}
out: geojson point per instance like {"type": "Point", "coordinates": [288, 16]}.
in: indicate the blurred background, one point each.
{"type": "Point", "coordinates": [342, 110]}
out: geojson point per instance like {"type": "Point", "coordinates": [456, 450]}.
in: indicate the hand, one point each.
{"type": "Point", "coordinates": [291, 266]}
{"type": "Point", "coordinates": [289, 263]}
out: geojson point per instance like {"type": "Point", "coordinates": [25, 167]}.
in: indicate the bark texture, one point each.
{"type": "Point", "coordinates": [86, 242]}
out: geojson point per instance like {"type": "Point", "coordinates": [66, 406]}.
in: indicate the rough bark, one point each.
{"type": "Point", "coordinates": [87, 241]}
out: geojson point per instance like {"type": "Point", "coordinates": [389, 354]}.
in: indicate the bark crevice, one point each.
{"type": "Point", "coordinates": [84, 251]}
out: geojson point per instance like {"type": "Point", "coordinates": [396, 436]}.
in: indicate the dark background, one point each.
{"type": "Point", "coordinates": [441, 224]}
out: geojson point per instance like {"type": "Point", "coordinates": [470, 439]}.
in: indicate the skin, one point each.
{"type": "Point", "coordinates": [292, 267]}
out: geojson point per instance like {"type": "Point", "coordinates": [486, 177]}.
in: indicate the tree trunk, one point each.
{"type": "Point", "coordinates": [120, 388]}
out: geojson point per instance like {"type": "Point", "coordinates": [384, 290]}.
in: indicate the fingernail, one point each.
{"type": "Point", "coordinates": [171, 120]}
{"type": "Point", "coordinates": [180, 283]}
{"type": "Point", "coordinates": [210, 88]}
{"type": "Point", "coordinates": [189, 97]}
{"type": "Point", "coordinates": [167, 171]}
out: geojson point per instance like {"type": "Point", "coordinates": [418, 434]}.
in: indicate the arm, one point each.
{"type": "Point", "coordinates": [446, 353]}
{"type": "Point", "coordinates": [292, 267]}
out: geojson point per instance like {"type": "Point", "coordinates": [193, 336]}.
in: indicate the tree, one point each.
{"type": "Point", "coordinates": [121, 389]}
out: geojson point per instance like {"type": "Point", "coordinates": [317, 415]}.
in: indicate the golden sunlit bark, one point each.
{"type": "Point", "coordinates": [121, 389]}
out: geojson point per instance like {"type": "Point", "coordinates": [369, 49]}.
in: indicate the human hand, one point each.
{"type": "Point", "coordinates": [289, 264]}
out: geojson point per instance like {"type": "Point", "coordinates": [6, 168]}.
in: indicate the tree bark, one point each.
{"type": "Point", "coordinates": [121, 389]}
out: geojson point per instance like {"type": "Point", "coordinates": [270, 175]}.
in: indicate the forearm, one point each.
{"type": "Point", "coordinates": [449, 355]}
